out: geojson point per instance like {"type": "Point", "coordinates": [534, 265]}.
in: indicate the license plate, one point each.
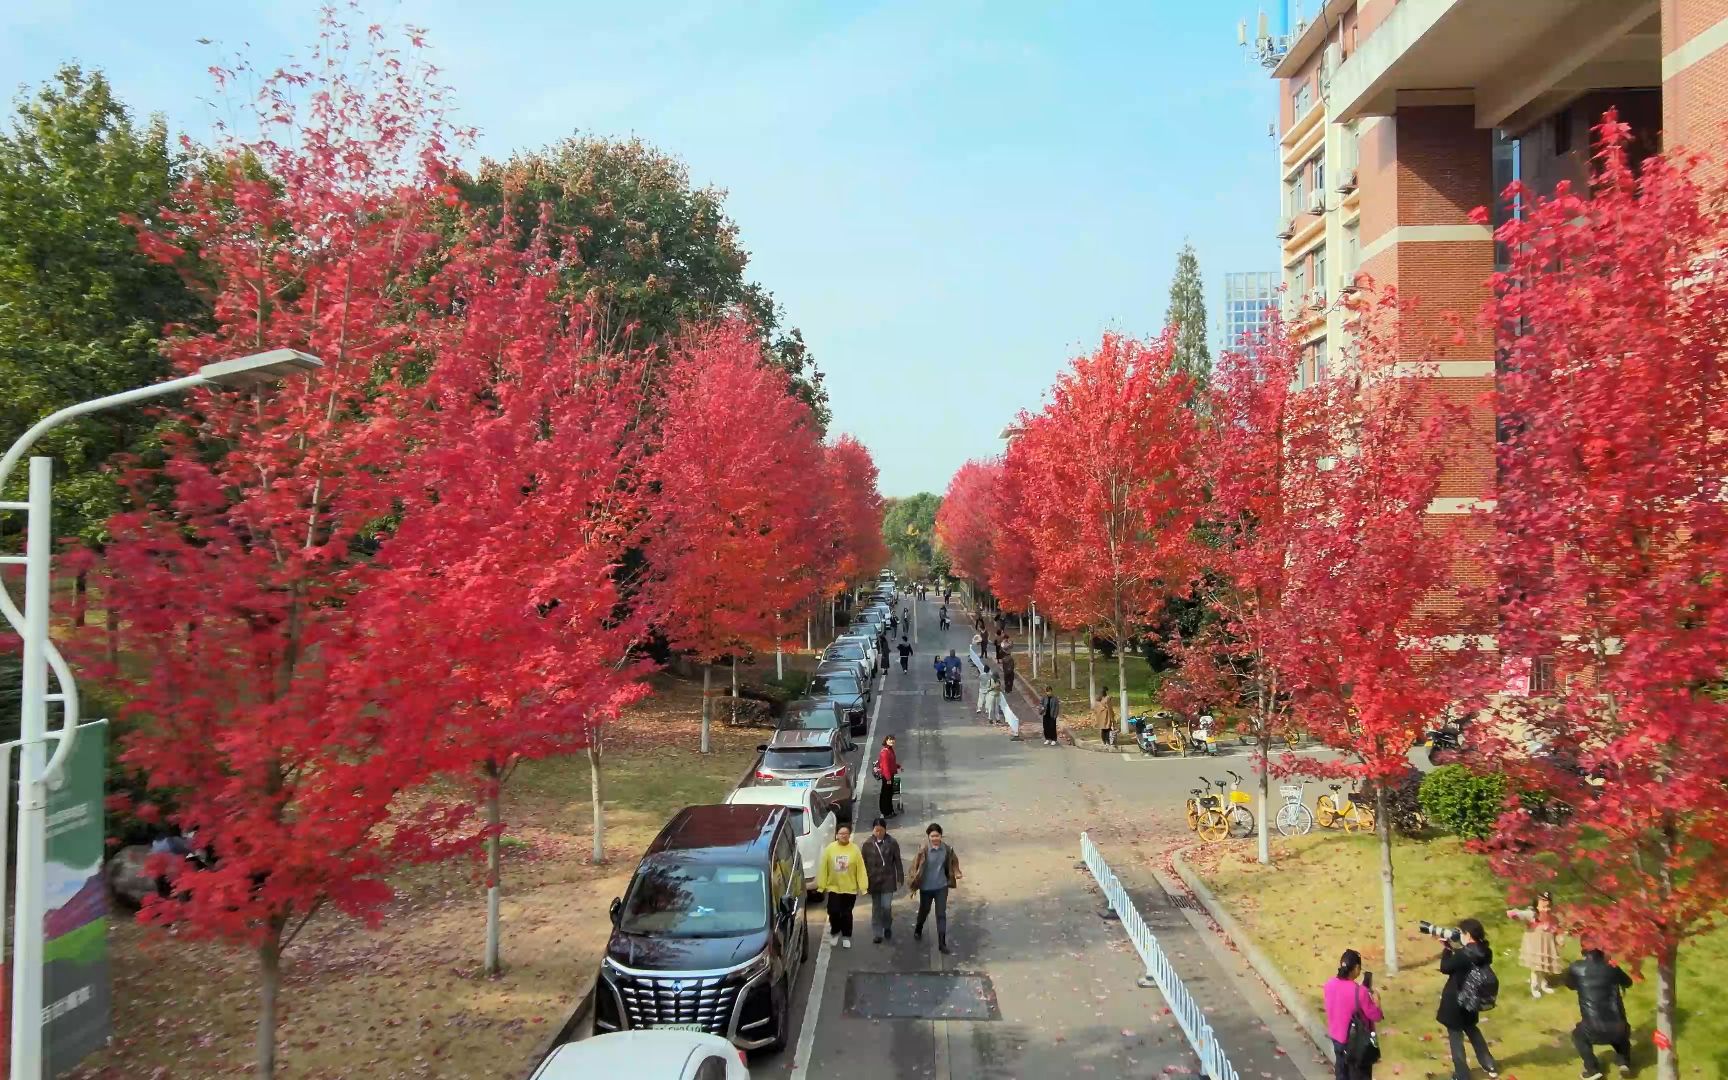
{"type": "Point", "coordinates": [679, 1027]}
{"type": "Point", "coordinates": [799, 783]}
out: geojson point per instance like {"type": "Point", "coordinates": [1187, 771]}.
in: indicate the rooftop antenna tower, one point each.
{"type": "Point", "coordinates": [1270, 43]}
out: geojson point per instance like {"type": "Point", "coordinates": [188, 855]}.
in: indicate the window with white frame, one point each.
{"type": "Point", "coordinates": [1301, 97]}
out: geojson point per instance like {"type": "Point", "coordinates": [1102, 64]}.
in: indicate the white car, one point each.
{"type": "Point", "coordinates": [868, 643]}
{"type": "Point", "coordinates": [646, 1055]}
{"type": "Point", "coordinates": [814, 819]}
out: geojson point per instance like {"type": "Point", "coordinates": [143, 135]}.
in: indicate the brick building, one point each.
{"type": "Point", "coordinates": [1398, 117]}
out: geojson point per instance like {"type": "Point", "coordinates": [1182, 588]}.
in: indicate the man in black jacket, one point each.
{"type": "Point", "coordinates": [1601, 1012]}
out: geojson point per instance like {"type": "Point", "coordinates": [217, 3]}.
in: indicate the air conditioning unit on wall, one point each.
{"type": "Point", "coordinates": [1317, 203]}
{"type": "Point", "coordinates": [1286, 229]}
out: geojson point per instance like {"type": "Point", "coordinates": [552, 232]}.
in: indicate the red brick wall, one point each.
{"type": "Point", "coordinates": [1377, 179]}
{"type": "Point", "coordinates": [1695, 105]}
{"type": "Point", "coordinates": [1445, 165]}
{"type": "Point", "coordinates": [1471, 474]}
{"type": "Point", "coordinates": [1683, 20]}
{"type": "Point", "coordinates": [1447, 278]}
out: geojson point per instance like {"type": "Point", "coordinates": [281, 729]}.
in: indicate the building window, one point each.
{"type": "Point", "coordinates": [1299, 286]}
{"type": "Point", "coordinates": [1320, 274]}
{"type": "Point", "coordinates": [1543, 678]}
{"type": "Point", "coordinates": [1319, 173]}
{"type": "Point", "coordinates": [1562, 132]}
{"type": "Point", "coordinates": [1352, 255]}
{"type": "Point", "coordinates": [1301, 97]}
{"type": "Point", "coordinates": [1319, 360]}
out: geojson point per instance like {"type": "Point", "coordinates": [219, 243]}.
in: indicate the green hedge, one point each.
{"type": "Point", "coordinates": [1463, 802]}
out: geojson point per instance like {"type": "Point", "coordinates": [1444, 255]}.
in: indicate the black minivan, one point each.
{"type": "Point", "coordinates": [710, 934]}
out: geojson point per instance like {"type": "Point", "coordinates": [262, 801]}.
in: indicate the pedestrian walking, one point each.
{"type": "Point", "coordinates": [882, 648]}
{"type": "Point", "coordinates": [1049, 710]}
{"type": "Point", "coordinates": [935, 870]}
{"type": "Point", "coordinates": [1460, 1017]}
{"type": "Point", "coordinates": [1353, 1053]}
{"type": "Point", "coordinates": [841, 875]}
{"type": "Point", "coordinates": [1601, 1011]}
{"type": "Point", "coordinates": [887, 768]}
{"type": "Point", "coordinates": [886, 872]}
{"type": "Point", "coordinates": [1007, 660]}
{"type": "Point", "coordinates": [951, 677]}
{"type": "Point", "coordinates": [986, 687]}
{"type": "Point", "coordinates": [978, 644]}
{"type": "Point", "coordinates": [905, 648]}
{"type": "Point", "coordinates": [941, 667]}
{"type": "Point", "coordinates": [1539, 952]}
{"type": "Point", "coordinates": [893, 624]}
{"type": "Point", "coordinates": [1001, 647]}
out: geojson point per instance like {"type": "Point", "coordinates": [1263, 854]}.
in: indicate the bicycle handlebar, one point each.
{"type": "Point", "coordinates": [1235, 776]}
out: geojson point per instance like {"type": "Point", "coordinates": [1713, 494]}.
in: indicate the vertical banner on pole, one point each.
{"type": "Point", "coordinates": [75, 998]}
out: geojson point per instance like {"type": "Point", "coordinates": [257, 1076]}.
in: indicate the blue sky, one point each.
{"type": "Point", "coordinates": [950, 198]}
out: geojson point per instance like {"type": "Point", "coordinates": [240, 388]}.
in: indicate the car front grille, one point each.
{"type": "Point", "coordinates": [671, 1000]}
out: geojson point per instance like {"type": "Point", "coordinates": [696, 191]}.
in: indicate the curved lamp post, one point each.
{"type": "Point", "coordinates": [37, 770]}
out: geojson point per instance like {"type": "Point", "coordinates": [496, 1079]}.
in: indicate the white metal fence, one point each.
{"type": "Point", "coordinates": [1159, 972]}
{"type": "Point", "coordinates": [1008, 712]}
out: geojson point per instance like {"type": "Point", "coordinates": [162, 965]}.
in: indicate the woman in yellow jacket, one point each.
{"type": "Point", "coordinates": [842, 876]}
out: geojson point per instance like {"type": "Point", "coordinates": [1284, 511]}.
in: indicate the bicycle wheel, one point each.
{"type": "Point", "coordinates": [1193, 815]}
{"type": "Point", "coordinates": [1241, 822]}
{"type": "Point", "coordinates": [1357, 819]}
{"type": "Point", "coordinates": [1294, 819]}
{"type": "Point", "coordinates": [1213, 827]}
{"type": "Point", "coordinates": [1326, 811]}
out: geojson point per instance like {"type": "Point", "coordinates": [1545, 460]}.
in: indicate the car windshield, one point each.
{"type": "Point", "coordinates": [800, 820]}
{"type": "Point", "coordinates": [851, 650]}
{"type": "Point", "coordinates": [798, 758]}
{"type": "Point", "coordinates": [674, 898]}
{"type": "Point", "coordinates": [839, 686]}
{"type": "Point", "coordinates": [822, 716]}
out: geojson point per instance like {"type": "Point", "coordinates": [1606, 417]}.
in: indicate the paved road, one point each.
{"type": "Point", "coordinates": [1054, 982]}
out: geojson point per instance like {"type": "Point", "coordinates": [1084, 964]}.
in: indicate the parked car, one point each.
{"type": "Point", "coordinates": [853, 647]}
{"type": "Point", "coordinates": [710, 934]}
{"type": "Point", "coordinates": [808, 758]}
{"type": "Point", "coordinates": [817, 715]}
{"type": "Point", "coordinates": [849, 690]}
{"type": "Point", "coordinates": [646, 1055]}
{"type": "Point", "coordinates": [841, 665]}
{"type": "Point", "coordinates": [814, 820]}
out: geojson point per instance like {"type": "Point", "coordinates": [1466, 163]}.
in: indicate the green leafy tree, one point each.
{"type": "Point", "coordinates": [656, 253]}
{"type": "Point", "coordinates": [1187, 316]}
{"type": "Point", "coordinates": [909, 530]}
{"type": "Point", "coordinates": [81, 308]}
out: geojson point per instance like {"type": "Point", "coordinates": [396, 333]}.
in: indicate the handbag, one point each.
{"type": "Point", "coordinates": [1361, 1044]}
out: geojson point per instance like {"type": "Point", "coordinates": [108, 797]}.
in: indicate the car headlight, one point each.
{"type": "Point", "coordinates": [758, 966]}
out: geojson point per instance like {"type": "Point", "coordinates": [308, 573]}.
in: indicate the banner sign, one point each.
{"type": "Point", "coordinates": [75, 997]}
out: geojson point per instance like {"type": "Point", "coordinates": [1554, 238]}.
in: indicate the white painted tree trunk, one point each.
{"type": "Point", "coordinates": [494, 819]}
{"type": "Point", "coordinates": [594, 795]}
{"type": "Point", "coordinates": [1091, 673]}
{"type": "Point", "coordinates": [707, 707]}
{"type": "Point", "coordinates": [1264, 839]}
{"type": "Point", "coordinates": [1073, 667]}
{"type": "Point", "coordinates": [1388, 903]}
{"type": "Point", "coordinates": [1122, 683]}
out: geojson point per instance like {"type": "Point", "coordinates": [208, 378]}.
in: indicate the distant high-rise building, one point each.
{"type": "Point", "coordinates": [1247, 300]}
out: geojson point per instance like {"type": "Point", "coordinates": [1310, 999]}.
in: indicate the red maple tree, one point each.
{"type": "Point", "coordinates": [965, 525]}
{"type": "Point", "coordinates": [1261, 430]}
{"type": "Point", "coordinates": [856, 507]}
{"type": "Point", "coordinates": [502, 585]}
{"type": "Point", "coordinates": [733, 465]}
{"type": "Point", "coordinates": [1106, 487]}
{"type": "Point", "coordinates": [1611, 540]}
{"type": "Point", "coordinates": [1365, 651]}
{"type": "Point", "coordinates": [232, 577]}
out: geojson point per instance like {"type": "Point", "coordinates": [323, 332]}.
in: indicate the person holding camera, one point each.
{"type": "Point", "coordinates": [1601, 1011]}
{"type": "Point", "coordinates": [1467, 962]}
{"type": "Point", "coordinates": [1346, 999]}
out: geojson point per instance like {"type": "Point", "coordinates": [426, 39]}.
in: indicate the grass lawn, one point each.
{"type": "Point", "coordinates": [1143, 682]}
{"type": "Point", "coordinates": [406, 1000]}
{"type": "Point", "coordinates": [1323, 896]}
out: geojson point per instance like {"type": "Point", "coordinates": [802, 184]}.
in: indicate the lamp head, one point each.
{"type": "Point", "coordinates": [259, 368]}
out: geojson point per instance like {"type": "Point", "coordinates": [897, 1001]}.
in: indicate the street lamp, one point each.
{"type": "Point", "coordinates": [36, 770]}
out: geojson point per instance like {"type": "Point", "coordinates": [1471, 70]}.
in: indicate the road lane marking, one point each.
{"type": "Point", "coordinates": [819, 981]}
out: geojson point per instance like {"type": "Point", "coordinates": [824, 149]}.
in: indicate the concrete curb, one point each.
{"type": "Point", "coordinates": [1294, 1003]}
{"type": "Point", "coordinates": [565, 1032]}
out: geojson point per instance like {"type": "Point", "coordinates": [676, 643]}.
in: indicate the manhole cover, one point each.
{"type": "Point", "coordinates": [889, 995]}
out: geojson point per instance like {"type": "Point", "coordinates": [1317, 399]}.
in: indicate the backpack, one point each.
{"type": "Point", "coordinates": [1480, 989]}
{"type": "Point", "coordinates": [1361, 1047]}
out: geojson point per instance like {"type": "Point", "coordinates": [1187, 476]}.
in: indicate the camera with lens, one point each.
{"type": "Point", "coordinates": [1449, 934]}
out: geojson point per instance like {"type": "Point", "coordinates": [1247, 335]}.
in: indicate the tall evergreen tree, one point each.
{"type": "Point", "coordinates": [1187, 316]}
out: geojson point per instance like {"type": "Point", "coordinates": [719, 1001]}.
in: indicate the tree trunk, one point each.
{"type": "Point", "coordinates": [111, 619]}
{"type": "Point", "coordinates": [1388, 904]}
{"type": "Point", "coordinates": [1122, 683]}
{"type": "Point", "coordinates": [779, 668]}
{"type": "Point", "coordinates": [734, 705]}
{"type": "Point", "coordinates": [1667, 1061]}
{"type": "Point", "coordinates": [269, 983]}
{"type": "Point", "coordinates": [594, 795]}
{"type": "Point", "coordinates": [809, 634]}
{"type": "Point", "coordinates": [494, 820]}
{"type": "Point", "coordinates": [80, 597]}
{"type": "Point", "coordinates": [1263, 841]}
{"type": "Point", "coordinates": [1073, 667]}
{"type": "Point", "coordinates": [707, 707]}
{"type": "Point", "coordinates": [1091, 673]}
